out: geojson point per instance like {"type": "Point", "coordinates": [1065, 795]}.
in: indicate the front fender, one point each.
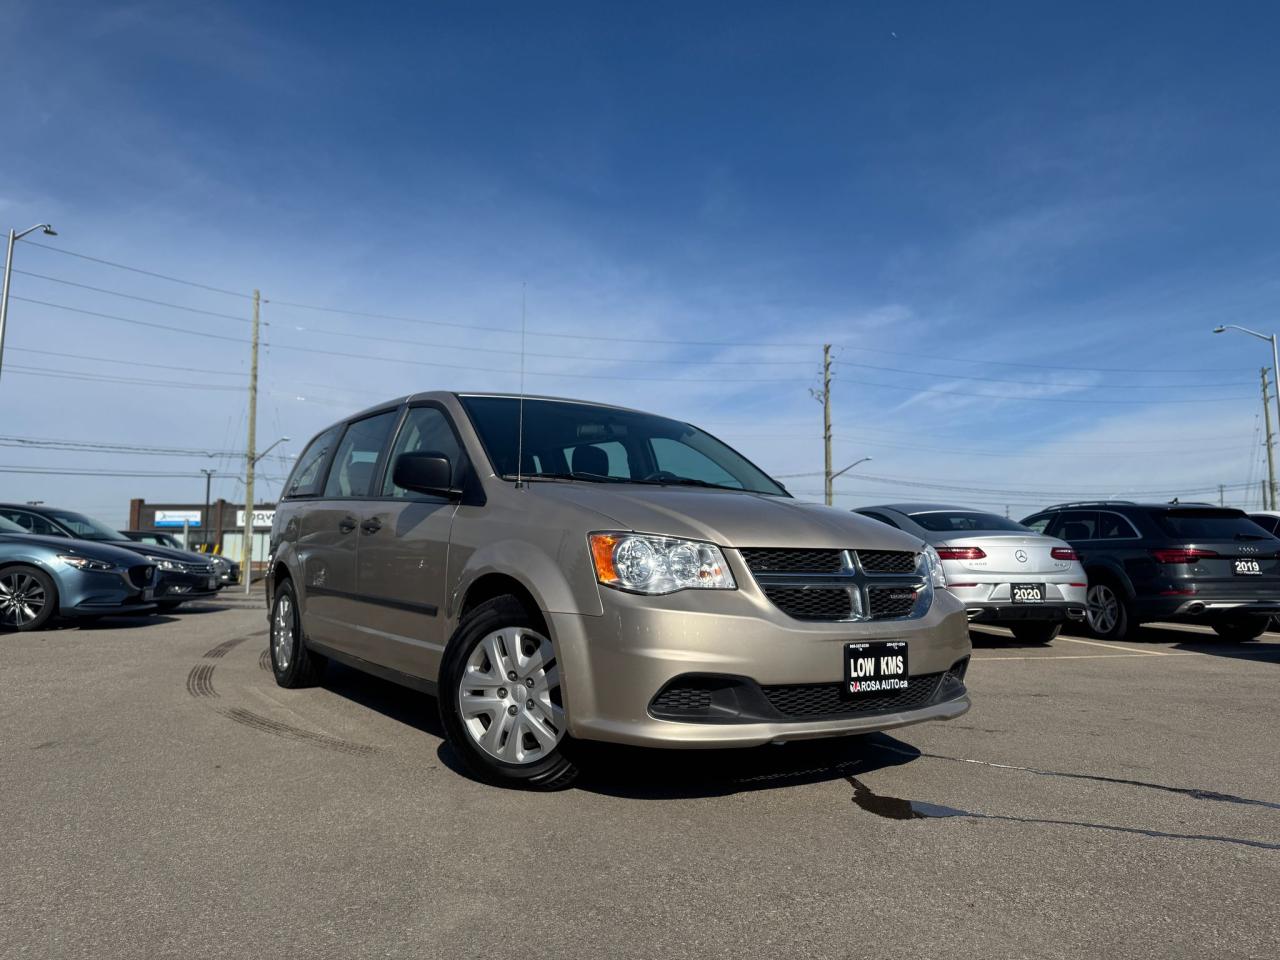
{"type": "Point", "coordinates": [559, 583]}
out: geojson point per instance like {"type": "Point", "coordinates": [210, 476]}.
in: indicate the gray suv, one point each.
{"type": "Point", "coordinates": [554, 571]}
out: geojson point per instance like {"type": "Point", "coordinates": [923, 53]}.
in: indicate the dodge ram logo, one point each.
{"type": "Point", "coordinates": [1020, 556]}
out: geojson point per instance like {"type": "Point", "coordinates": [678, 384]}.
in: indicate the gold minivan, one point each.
{"type": "Point", "coordinates": [554, 570]}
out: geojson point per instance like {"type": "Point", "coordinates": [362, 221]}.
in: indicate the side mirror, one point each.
{"type": "Point", "coordinates": [425, 472]}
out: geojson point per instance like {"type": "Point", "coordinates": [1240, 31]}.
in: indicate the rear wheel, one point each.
{"type": "Point", "coordinates": [28, 598]}
{"type": "Point", "coordinates": [1240, 629]}
{"type": "Point", "coordinates": [291, 662]}
{"type": "Point", "coordinates": [500, 698]}
{"type": "Point", "coordinates": [1035, 632]}
{"type": "Point", "coordinates": [1108, 612]}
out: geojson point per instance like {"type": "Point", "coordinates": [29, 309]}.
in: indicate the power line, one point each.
{"type": "Point", "coordinates": [146, 273]}
{"type": "Point", "coordinates": [139, 323]}
{"type": "Point", "coordinates": [130, 363]}
{"type": "Point", "coordinates": [130, 296]}
{"type": "Point", "coordinates": [105, 378]}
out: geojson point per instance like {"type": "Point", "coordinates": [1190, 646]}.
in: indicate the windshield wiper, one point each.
{"type": "Point", "coordinates": [1252, 536]}
{"type": "Point", "coordinates": [588, 477]}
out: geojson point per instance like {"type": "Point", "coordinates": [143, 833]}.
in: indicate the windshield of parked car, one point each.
{"type": "Point", "coordinates": [962, 521]}
{"type": "Point", "coordinates": [8, 526]}
{"type": "Point", "coordinates": [581, 441]}
{"type": "Point", "coordinates": [1208, 524]}
{"type": "Point", "coordinates": [86, 528]}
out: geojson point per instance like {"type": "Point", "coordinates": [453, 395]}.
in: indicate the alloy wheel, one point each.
{"type": "Point", "coordinates": [282, 632]}
{"type": "Point", "coordinates": [1103, 608]}
{"type": "Point", "coordinates": [509, 696]}
{"type": "Point", "coordinates": [22, 598]}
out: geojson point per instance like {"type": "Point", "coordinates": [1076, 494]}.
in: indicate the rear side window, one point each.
{"type": "Point", "coordinates": [425, 430]}
{"type": "Point", "coordinates": [1205, 523]}
{"type": "Point", "coordinates": [958, 521]}
{"type": "Point", "coordinates": [1266, 523]}
{"type": "Point", "coordinates": [357, 458]}
{"type": "Point", "coordinates": [1038, 524]}
{"type": "Point", "coordinates": [1112, 526]}
{"type": "Point", "coordinates": [306, 479]}
{"type": "Point", "coordinates": [1075, 525]}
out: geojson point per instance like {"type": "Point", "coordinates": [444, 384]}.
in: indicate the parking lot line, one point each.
{"type": "Point", "coordinates": [1087, 656]}
{"type": "Point", "coordinates": [1112, 646]}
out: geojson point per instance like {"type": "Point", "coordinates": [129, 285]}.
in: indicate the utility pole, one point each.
{"type": "Point", "coordinates": [1222, 502]}
{"type": "Point", "coordinates": [250, 457]}
{"type": "Point", "coordinates": [826, 421]}
{"type": "Point", "coordinates": [1271, 460]}
{"type": "Point", "coordinates": [204, 520]}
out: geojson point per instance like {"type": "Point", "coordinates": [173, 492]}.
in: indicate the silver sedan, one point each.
{"type": "Point", "coordinates": [1003, 572]}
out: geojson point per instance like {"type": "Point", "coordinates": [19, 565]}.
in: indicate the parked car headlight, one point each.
{"type": "Point", "coordinates": [654, 565]}
{"type": "Point", "coordinates": [84, 563]}
{"type": "Point", "coordinates": [936, 573]}
{"type": "Point", "coordinates": [165, 564]}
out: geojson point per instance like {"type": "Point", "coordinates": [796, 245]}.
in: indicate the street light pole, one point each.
{"type": "Point", "coordinates": [850, 467]}
{"type": "Point", "coordinates": [1275, 362]}
{"type": "Point", "coordinates": [14, 237]}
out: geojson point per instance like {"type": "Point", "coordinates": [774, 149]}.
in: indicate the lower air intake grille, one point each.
{"type": "Point", "coordinates": [814, 700]}
{"type": "Point", "coordinates": [813, 603]}
{"type": "Point", "coordinates": [890, 603]}
{"type": "Point", "coordinates": [141, 575]}
{"type": "Point", "coordinates": [687, 696]}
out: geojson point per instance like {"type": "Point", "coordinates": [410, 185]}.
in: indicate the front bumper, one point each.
{"type": "Point", "coordinates": [616, 664]}
{"type": "Point", "coordinates": [173, 586]}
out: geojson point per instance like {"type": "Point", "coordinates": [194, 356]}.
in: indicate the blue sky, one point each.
{"type": "Point", "coordinates": [959, 197]}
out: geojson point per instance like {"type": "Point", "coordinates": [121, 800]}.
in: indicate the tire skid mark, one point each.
{"type": "Point", "coordinates": [222, 649]}
{"type": "Point", "coordinates": [264, 659]}
{"type": "Point", "coordinates": [290, 732]}
{"type": "Point", "coordinates": [200, 681]}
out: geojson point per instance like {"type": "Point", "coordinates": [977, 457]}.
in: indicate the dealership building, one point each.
{"type": "Point", "coordinates": [222, 529]}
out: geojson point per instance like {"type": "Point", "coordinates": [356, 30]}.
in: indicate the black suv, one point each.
{"type": "Point", "coordinates": [1189, 562]}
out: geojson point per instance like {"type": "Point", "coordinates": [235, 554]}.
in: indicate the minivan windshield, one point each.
{"type": "Point", "coordinates": [86, 528]}
{"type": "Point", "coordinates": [954, 521]}
{"type": "Point", "coordinates": [582, 441]}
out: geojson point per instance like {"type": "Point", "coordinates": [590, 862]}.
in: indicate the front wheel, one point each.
{"type": "Point", "coordinates": [1108, 612]}
{"type": "Point", "coordinates": [1035, 632]}
{"type": "Point", "coordinates": [500, 698]}
{"type": "Point", "coordinates": [291, 662]}
{"type": "Point", "coordinates": [28, 598]}
{"type": "Point", "coordinates": [1240, 629]}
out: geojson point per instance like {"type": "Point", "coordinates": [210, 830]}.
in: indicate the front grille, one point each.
{"type": "Point", "coordinates": [141, 575]}
{"type": "Point", "coordinates": [887, 561]}
{"type": "Point", "coordinates": [812, 603]}
{"type": "Point", "coordinates": [890, 603]}
{"type": "Point", "coordinates": [813, 700]}
{"type": "Point", "coordinates": [770, 560]}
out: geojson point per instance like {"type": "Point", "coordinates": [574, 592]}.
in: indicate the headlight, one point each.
{"type": "Point", "coordinates": [84, 563]}
{"type": "Point", "coordinates": [653, 565]}
{"type": "Point", "coordinates": [164, 564]}
{"type": "Point", "coordinates": [936, 574]}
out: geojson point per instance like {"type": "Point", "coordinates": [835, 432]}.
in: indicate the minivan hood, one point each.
{"type": "Point", "coordinates": [729, 518]}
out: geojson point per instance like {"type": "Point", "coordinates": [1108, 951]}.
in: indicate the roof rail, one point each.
{"type": "Point", "coordinates": [1088, 503]}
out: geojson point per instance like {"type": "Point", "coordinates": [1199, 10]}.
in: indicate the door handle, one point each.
{"type": "Point", "coordinates": [372, 525]}
{"type": "Point", "coordinates": [347, 524]}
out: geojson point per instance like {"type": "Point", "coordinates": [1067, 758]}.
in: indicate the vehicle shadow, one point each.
{"type": "Point", "coordinates": [110, 623]}
{"type": "Point", "coordinates": [409, 707]}
{"type": "Point", "coordinates": [1266, 649]}
{"type": "Point", "coordinates": [636, 773]}
{"type": "Point", "coordinates": [984, 639]}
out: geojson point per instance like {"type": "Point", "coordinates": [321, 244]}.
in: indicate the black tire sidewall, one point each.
{"type": "Point", "coordinates": [50, 591]}
{"type": "Point", "coordinates": [551, 773]}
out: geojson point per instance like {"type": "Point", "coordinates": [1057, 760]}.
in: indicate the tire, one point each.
{"type": "Point", "coordinates": [1035, 632]}
{"type": "Point", "coordinates": [1240, 629]}
{"type": "Point", "coordinates": [501, 739]}
{"type": "Point", "coordinates": [292, 664]}
{"type": "Point", "coordinates": [28, 598]}
{"type": "Point", "coordinates": [1110, 616]}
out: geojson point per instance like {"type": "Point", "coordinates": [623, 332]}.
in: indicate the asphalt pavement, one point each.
{"type": "Point", "coordinates": [161, 797]}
